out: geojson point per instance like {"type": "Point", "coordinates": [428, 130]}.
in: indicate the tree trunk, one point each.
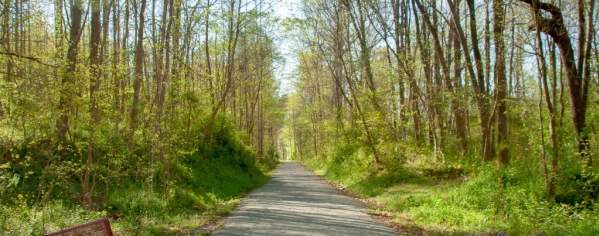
{"type": "Point", "coordinates": [476, 74]}
{"type": "Point", "coordinates": [68, 80]}
{"type": "Point", "coordinates": [500, 82]}
{"type": "Point", "coordinates": [577, 82]}
{"type": "Point", "coordinates": [95, 64]}
{"type": "Point", "coordinates": [139, 57]}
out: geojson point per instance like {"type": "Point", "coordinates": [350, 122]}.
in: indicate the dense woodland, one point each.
{"type": "Point", "coordinates": [104, 101]}
{"type": "Point", "coordinates": [453, 116]}
{"type": "Point", "coordinates": [457, 116]}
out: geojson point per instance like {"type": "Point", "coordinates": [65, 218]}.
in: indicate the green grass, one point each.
{"type": "Point", "coordinates": [149, 198]}
{"type": "Point", "coordinates": [22, 219]}
{"type": "Point", "coordinates": [456, 199]}
{"type": "Point", "coordinates": [208, 189]}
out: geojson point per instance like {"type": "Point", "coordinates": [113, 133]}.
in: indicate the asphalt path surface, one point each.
{"type": "Point", "coordinates": [297, 202]}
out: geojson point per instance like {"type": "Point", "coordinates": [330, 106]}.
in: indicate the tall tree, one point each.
{"type": "Point", "coordinates": [500, 82]}
{"type": "Point", "coordinates": [476, 73]}
{"type": "Point", "coordinates": [139, 71]}
{"type": "Point", "coordinates": [95, 64]}
{"type": "Point", "coordinates": [70, 75]}
{"type": "Point", "coordinates": [578, 75]}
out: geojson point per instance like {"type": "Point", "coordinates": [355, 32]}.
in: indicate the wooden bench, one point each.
{"type": "Point", "coordinates": [99, 227]}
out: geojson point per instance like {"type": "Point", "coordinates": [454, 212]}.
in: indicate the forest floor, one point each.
{"type": "Point", "coordinates": [298, 202]}
{"type": "Point", "coordinates": [422, 197]}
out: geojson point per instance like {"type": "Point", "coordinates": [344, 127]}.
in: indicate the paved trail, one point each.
{"type": "Point", "coordinates": [296, 202]}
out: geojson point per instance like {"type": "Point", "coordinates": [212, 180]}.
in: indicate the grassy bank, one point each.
{"type": "Point", "coordinates": [425, 196]}
{"type": "Point", "coordinates": [140, 198]}
{"type": "Point", "coordinates": [213, 191]}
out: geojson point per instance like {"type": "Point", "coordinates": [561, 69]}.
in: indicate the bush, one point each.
{"type": "Point", "coordinates": [193, 177]}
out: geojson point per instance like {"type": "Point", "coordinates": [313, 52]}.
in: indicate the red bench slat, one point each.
{"type": "Point", "coordinates": [99, 227]}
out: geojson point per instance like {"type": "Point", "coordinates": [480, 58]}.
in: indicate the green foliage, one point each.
{"type": "Point", "coordinates": [77, 130]}
{"type": "Point", "coordinates": [198, 183]}
{"type": "Point", "coordinates": [582, 191]}
{"type": "Point", "coordinates": [38, 168]}
{"type": "Point", "coordinates": [447, 199]}
{"type": "Point", "coordinates": [20, 218]}
{"type": "Point", "coordinates": [435, 184]}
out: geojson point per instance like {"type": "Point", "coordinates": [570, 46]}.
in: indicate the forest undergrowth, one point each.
{"type": "Point", "coordinates": [454, 194]}
{"type": "Point", "coordinates": [202, 184]}
{"type": "Point", "coordinates": [457, 117]}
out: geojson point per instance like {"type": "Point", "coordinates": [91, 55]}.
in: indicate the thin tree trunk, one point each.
{"type": "Point", "coordinates": [95, 64]}
{"type": "Point", "coordinates": [577, 80]}
{"type": "Point", "coordinates": [139, 56]}
{"type": "Point", "coordinates": [68, 80]}
{"type": "Point", "coordinates": [500, 83]}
